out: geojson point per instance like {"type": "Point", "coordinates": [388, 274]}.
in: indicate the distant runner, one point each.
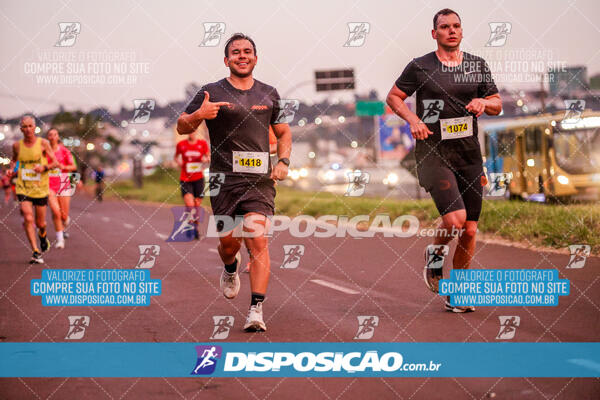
{"type": "Point", "coordinates": [32, 154]}
{"type": "Point", "coordinates": [191, 154]}
{"type": "Point", "coordinates": [59, 204]}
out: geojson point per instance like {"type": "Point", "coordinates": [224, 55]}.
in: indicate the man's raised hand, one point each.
{"type": "Point", "coordinates": [208, 109]}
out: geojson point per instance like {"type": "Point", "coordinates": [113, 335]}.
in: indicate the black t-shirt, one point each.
{"type": "Point", "coordinates": [244, 127]}
{"type": "Point", "coordinates": [435, 83]}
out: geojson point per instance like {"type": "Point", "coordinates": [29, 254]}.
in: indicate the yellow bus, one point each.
{"type": "Point", "coordinates": [546, 157]}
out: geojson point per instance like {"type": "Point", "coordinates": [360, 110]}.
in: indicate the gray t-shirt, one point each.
{"type": "Point", "coordinates": [244, 127]}
{"type": "Point", "coordinates": [443, 92]}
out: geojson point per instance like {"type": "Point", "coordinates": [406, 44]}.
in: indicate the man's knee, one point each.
{"type": "Point", "coordinates": [27, 218]}
{"type": "Point", "coordinates": [455, 221]}
{"type": "Point", "coordinates": [256, 244]}
{"type": "Point", "coordinates": [469, 230]}
{"type": "Point", "coordinates": [229, 246]}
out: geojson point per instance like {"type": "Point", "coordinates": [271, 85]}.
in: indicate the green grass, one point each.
{"type": "Point", "coordinates": [162, 186]}
{"type": "Point", "coordinates": [547, 225]}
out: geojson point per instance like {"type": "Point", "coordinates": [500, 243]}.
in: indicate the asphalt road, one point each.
{"type": "Point", "coordinates": [355, 277]}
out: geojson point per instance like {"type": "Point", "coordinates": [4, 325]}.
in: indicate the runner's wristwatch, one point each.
{"type": "Point", "coordinates": [285, 160]}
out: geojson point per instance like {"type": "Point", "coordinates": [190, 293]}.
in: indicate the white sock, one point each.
{"type": "Point", "coordinates": [59, 236]}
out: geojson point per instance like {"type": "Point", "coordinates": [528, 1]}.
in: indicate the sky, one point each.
{"type": "Point", "coordinates": [127, 50]}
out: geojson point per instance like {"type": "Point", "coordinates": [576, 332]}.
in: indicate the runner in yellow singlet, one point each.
{"type": "Point", "coordinates": [32, 183]}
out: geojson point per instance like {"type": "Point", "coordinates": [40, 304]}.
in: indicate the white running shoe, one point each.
{"type": "Point", "coordinates": [254, 322]}
{"type": "Point", "coordinates": [60, 244]}
{"type": "Point", "coordinates": [457, 309]}
{"type": "Point", "coordinates": [230, 283]}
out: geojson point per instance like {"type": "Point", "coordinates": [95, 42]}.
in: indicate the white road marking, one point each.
{"type": "Point", "coordinates": [105, 219]}
{"type": "Point", "coordinates": [334, 286]}
{"type": "Point", "coordinates": [128, 226]}
{"type": "Point", "coordinates": [213, 251]}
{"type": "Point", "coordinates": [161, 236]}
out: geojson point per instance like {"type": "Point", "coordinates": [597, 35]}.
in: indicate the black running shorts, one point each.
{"type": "Point", "coordinates": [36, 201]}
{"type": "Point", "coordinates": [196, 188]}
{"type": "Point", "coordinates": [239, 200]}
{"type": "Point", "coordinates": [453, 187]}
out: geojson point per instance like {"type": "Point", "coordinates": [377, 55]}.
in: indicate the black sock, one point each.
{"type": "Point", "coordinates": [231, 268]}
{"type": "Point", "coordinates": [42, 232]}
{"type": "Point", "coordinates": [257, 298]}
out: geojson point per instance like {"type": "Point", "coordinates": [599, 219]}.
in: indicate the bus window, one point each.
{"type": "Point", "coordinates": [506, 143]}
{"type": "Point", "coordinates": [575, 152]}
{"type": "Point", "coordinates": [533, 140]}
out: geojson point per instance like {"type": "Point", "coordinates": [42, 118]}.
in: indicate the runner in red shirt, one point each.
{"type": "Point", "coordinates": [191, 155]}
{"type": "Point", "coordinates": [59, 199]}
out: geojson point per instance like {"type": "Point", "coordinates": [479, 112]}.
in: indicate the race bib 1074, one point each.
{"type": "Point", "coordinates": [454, 128]}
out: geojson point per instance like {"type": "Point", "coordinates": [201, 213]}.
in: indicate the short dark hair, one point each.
{"type": "Point", "coordinates": [28, 116]}
{"type": "Point", "coordinates": [445, 11]}
{"type": "Point", "coordinates": [238, 36]}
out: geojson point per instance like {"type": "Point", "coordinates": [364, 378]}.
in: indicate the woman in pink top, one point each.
{"type": "Point", "coordinates": [59, 198]}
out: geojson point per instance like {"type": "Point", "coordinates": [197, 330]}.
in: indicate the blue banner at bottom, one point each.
{"type": "Point", "coordinates": [225, 359]}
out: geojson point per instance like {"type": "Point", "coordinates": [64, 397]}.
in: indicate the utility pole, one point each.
{"type": "Point", "coordinates": [542, 94]}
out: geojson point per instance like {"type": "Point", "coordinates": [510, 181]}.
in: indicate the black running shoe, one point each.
{"type": "Point", "coordinates": [36, 258]}
{"type": "Point", "coordinates": [44, 243]}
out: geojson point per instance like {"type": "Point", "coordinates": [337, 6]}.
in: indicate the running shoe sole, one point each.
{"type": "Point", "coordinates": [458, 309]}
{"type": "Point", "coordinates": [255, 326]}
{"type": "Point", "coordinates": [34, 260]}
